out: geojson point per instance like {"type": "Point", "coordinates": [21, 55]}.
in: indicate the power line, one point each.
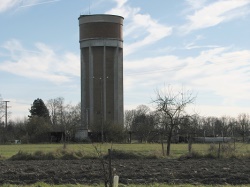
{"type": "Point", "coordinates": [154, 71]}
{"type": "Point", "coordinates": [165, 69]}
{"type": "Point", "coordinates": [23, 103]}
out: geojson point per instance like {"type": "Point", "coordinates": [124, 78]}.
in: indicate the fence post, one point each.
{"type": "Point", "coordinates": [219, 151]}
{"type": "Point", "coordinates": [234, 145]}
{"type": "Point", "coordinates": [110, 169]}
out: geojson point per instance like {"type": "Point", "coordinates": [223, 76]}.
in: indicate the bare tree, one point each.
{"type": "Point", "coordinates": [171, 107]}
{"type": "Point", "coordinates": [225, 121]}
{"type": "Point", "coordinates": [141, 122]}
{"type": "Point", "coordinates": [231, 127]}
{"type": "Point", "coordinates": [189, 128]}
{"type": "Point", "coordinates": [64, 117]}
{"type": "Point", "coordinates": [128, 118]}
{"type": "Point", "coordinates": [55, 107]}
{"type": "Point", "coordinates": [209, 126]}
{"type": "Point", "coordinates": [72, 118]}
{"type": "Point", "coordinates": [244, 123]}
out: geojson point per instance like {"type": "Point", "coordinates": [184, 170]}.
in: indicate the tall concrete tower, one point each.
{"type": "Point", "coordinates": [101, 44]}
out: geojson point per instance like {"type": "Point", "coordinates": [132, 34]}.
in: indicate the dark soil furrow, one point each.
{"type": "Point", "coordinates": [132, 171]}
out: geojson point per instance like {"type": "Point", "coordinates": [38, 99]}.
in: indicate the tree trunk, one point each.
{"type": "Point", "coordinates": [130, 136]}
{"type": "Point", "coordinates": [162, 144]}
{"type": "Point", "coordinates": [168, 145]}
{"type": "Point", "coordinates": [243, 134]}
{"type": "Point", "coordinates": [169, 141]}
{"type": "Point", "coordinates": [189, 144]}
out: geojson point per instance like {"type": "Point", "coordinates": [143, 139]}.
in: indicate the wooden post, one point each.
{"type": "Point", "coordinates": [219, 151]}
{"type": "Point", "coordinates": [110, 168]}
{"type": "Point", "coordinates": [234, 145]}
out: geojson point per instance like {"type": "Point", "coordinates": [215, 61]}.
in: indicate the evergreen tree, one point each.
{"type": "Point", "coordinates": [39, 124]}
{"type": "Point", "coordinates": [39, 109]}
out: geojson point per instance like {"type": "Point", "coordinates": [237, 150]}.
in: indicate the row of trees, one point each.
{"type": "Point", "coordinates": [54, 116]}
{"type": "Point", "coordinates": [51, 117]}
{"type": "Point", "coordinates": [145, 125]}
{"type": "Point", "coordinates": [168, 122]}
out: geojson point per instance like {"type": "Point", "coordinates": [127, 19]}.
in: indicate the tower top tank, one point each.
{"type": "Point", "coordinates": [100, 26]}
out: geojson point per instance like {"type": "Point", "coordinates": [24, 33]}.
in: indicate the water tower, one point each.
{"type": "Point", "coordinates": [101, 44]}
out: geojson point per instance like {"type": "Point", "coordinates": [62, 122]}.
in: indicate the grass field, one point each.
{"type": "Point", "coordinates": [177, 150]}
{"type": "Point", "coordinates": [6, 151]}
{"type": "Point", "coordinates": [149, 185]}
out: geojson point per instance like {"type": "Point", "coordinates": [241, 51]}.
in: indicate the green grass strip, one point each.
{"type": "Point", "coordinates": [40, 184]}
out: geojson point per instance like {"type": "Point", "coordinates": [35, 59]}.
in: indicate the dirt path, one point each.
{"type": "Point", "coordinates": [197, 171]}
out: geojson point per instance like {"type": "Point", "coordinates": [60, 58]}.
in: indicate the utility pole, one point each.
{"type": "Point", "coordinates": [6, 112]}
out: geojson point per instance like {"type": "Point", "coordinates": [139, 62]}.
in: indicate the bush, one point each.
{"type": "Point", "coordinates": [63, 154]}
{"type": "Point", "coordinates": [111, 132]}
{"type": "Point", "coordinates": [118, 154]}
{"type": "Point", "coordinates": [2, 157]}
{"type": "Point", "coordinates": [21, 156]}
{"type": "Point", "coordinates": [197, 155]}
{"type": "Point", "coordinates": [66, 154]}
{"type": "Point", "coordinates": [213, 150]}
{"type": "Point", "coordinates": [226, 151]}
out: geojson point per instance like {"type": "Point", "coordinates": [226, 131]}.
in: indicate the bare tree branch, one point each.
{"type": "Point", "coordinates": [171, 107]}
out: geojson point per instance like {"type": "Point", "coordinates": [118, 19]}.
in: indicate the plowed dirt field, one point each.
{"type": "Point", "coordinates": [190, 171]}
